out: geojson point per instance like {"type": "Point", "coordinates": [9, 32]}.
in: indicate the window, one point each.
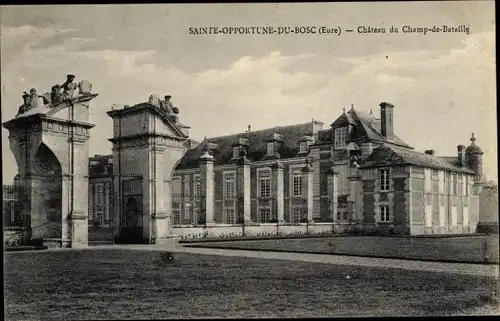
{"type": "Point", "coordinates": [338, 216]}
{"type": "Point", "coordinates": [265, 215]}
{"type": "Point", "coordinates": [442, 216]}
{"type": "Point", "coordinates": [197, 186]}
{"type": "Point", "coordinates": [454, 183]}
{"type": "Point", "coordinates": [345, 216]}
{"type": "Point", "coordinates": [441, 182]}
{"type": "Point", "coordinates": [270, 148]}
{"type": "Point", "coordinates": [177, 216]}
{"type": "Point", "coordinates": [428, 215]}
{"type": "Point", "coordinates": [384, 213]}
{"type": "Point", "coordinates": [303, 147]}
{"type": "Point", "coordinates": [187, 211]}
{"type": "Point", "coordinates": [447, 183]}
{"type": "Point", "coordinates": [297, 183]}
{"type": "Point", "coordinates": [427, 179]}
{"type": "Point", "coordinates": [343, 180]}
{"type": "Point", "coordinates": [108, 201]}
{"type": "Point", "coordinates": [340, 137]}
{"type": "Point", "coordinates": [384, 180]}
{"type": "Point", "coordinates": [453, 216]}
{"type": "Point", "coordinates": [296, 214]}
{"type": "Point", "coordinates": [176, 188]}
{"type": "Point", "coordinates": [236, 152]}
{"type": "Point", "coordinates": [187, 186]}
{"type": "Point", "coordinates": [230, 215]}
{"type": "Point", "coordinates": [467, 186]}
{"type": "Point", "coordinates": [196, 215]}
{"type": "Point", "coordinates": [464, 185]}
{"type": "Point", "coordinates": [229, 185]}
{"type": "Point", "coordinates": [265, 184]}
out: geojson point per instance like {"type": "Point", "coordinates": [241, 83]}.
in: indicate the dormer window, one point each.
{"type": "Point", "coordinates": [303, 147]}
{"type": "Point", "coordinates": [340, 137]}
{"type": "Point", "coordinates": [239, 146]}
{"type": "Point", "coordinates": [270, 148]}
{"type": "Point", "coordinates": [236, 151]}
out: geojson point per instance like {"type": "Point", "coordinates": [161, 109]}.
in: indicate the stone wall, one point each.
{"type": "Point", "coordinates": [264, 229]}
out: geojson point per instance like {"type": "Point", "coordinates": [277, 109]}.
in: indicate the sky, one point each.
{"type": "Point", "coordinates": [443, 85]}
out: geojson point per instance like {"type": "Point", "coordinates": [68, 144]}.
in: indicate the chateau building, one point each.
{"type": "Point", "coordinates": [355, 175]}
{"type": "Point", "coordinates": [352, 176]}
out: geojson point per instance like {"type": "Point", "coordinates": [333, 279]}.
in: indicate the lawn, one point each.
{"type": "Point", "coordinates": [458, 249]}
{"type": "Point", "coordinates": [126, 284]}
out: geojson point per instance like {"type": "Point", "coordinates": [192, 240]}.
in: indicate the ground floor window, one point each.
{"type": "Point", "coordinates": [384, 213]}
{"type": "Point", "coordinates": [230, 215]}
{"type": "Point", "coordinates": [196, 215]}
{"type": "Point", "coordinates": [265, 215]}
{"type": "Point", "coordinates": [99, 216]}
{"type": "Point", "coordinates": [296, 214]}
{"type": "Point", "coordinates": [177, 216]}
{"type": "Point", "coordinates": [342, 215]}
{"type": "Point", "coordinates": [454, 217]}
{"type": "Point", "coordinates": [428, 215]}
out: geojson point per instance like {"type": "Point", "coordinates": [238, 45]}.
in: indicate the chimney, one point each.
{"type": "Point", "coordinates": [386, 119]}
{"type": "Point", "coordinates": [249, 128]}
{"type": "Point", "coordinates": [430, 152]}
{"type": "Point", "coordinates": [461, 155]}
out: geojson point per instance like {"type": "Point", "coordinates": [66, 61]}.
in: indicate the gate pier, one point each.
{"type": "Point", "coordinates": [49, 140]}
{"type": "Point", "coordinates": [148, 142]}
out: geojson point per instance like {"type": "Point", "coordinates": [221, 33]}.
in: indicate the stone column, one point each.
{"type": "Point", "coordinates": [79, 214]}
{"type": "Point", "coordinates": [207, 187]}
{"type": "Point", "coordinates": [307, 181]}
{"type": "Point", "coordinates": [243, 183]}
{"type": "Point", "coordinates": [28, 204]}
{"type": "Point", "coordinates": [354, 201]}
{"type": "Point", "coordinates": [278, 191]}
{"type": "Point", "coordinates": [333, 182]}
{"type": "Point", "coordinates": [66, 192]}
{"type": "Point", "coordinates": [159, 220]}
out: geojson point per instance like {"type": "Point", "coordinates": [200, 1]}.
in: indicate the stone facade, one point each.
{"type": "Point", "coordinates": [306, 179]}
{"type": "Point", "coordinates": [49, 140]}
{"type": "Point", "coordinates": [357, 176]}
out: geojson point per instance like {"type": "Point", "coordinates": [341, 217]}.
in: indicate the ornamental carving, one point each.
{"type": "Point", "coordinates": [67, 92]}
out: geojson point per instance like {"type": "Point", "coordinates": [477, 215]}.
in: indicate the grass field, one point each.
{"type": "Point", "coordinates": [459, 249]}
{"type": "Point", "coordinates": [126, 284]}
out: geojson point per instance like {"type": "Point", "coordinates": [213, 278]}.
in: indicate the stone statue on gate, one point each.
{"type": "Point", "coordinates": [167, 105]}
{"type": "Point", "coordinates": [155, 100]}
{"type": "Point", "coordinates": [170, 109]}
{"type": "Point", "coordinates": [56, 96]}
{"type": "Point", "coordinates": [84, 88]}
{"type": "Point", "coordinates": [69, 87]}
{"type": "Point", "coordinates": [30, 101]}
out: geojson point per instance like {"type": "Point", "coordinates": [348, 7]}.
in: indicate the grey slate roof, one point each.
{"type": "Point", "coordinates": [366, 127]}
{"type": "Point", "coordinates": [372, 126]}
{"type": "Point", "coordinates": [386, 155]}
{"type": "Point", "coordinates": [257, 146]}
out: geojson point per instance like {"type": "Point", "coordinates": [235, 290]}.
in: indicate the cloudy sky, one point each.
{"type": "Point", "coordinates": [443, 85]}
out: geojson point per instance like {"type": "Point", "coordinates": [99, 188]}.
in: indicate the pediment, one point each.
{"type": "Point", "coordinates": [168, 126]}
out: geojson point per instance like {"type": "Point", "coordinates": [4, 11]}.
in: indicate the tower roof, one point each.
{"type": "Point", "coordinates": [473, 148]}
